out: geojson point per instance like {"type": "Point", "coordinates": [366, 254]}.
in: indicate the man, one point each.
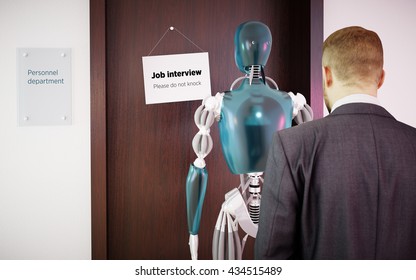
{"type": "Point", "coordinates": [343, 187]}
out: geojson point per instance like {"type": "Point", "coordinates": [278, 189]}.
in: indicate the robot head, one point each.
{"type": "Point", "coordinates": [253, 42]}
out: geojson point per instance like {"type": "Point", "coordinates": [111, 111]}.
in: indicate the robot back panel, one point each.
{"type": "Point", "coordinates": [249, 117]}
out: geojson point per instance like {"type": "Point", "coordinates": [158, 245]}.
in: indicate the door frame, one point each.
{"type": "Point", "coordinates": [99, 111]}
{"type": "Point", "coordinates": [98, 130]}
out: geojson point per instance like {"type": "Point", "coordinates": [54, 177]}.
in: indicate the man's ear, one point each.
{"type": "Point", "coordinates": [381, 82]}
{"type": "Point", "coordinates": [327, 75]}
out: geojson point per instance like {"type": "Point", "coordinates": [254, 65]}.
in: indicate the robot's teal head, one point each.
{"type": "Point", "coordinates": [253, 42]}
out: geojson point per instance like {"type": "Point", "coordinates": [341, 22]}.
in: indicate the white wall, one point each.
{"type": "Point", "coordinates": [45, 170]}
{"type": "Point", "coordinates": [395, 23]}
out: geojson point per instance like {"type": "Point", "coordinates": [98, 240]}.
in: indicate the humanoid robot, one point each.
{"type": "Point", "coordinates": [248, 117]}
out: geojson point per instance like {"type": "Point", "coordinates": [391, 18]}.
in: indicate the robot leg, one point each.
{"type": "Point", "coordinates": [239, 208]}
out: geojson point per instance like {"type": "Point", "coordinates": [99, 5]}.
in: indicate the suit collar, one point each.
{"type": "Point", "coordinates": [361, 108]}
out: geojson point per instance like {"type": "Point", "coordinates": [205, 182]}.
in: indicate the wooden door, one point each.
{"type": "Point", "coordinates": [141, 153]}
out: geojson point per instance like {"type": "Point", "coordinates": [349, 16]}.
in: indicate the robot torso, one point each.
{"type": "Point", "coordinates": [249, 117]}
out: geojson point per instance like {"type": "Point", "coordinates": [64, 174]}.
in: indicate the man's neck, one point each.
{"type": "Point", "coordinates": [341, 92]}
{"type": "Point", "coordinates": [356, 98]}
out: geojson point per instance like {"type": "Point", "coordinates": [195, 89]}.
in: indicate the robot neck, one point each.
{"type": "Point", "coordinates": [256, 74]}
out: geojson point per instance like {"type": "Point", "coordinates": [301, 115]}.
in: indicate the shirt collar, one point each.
{"type": "Point", "coordinates": [356, 98]}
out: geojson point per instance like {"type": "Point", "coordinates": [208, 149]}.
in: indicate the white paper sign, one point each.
{"type": "Point", "coordinates": [177, 77]}
{"type": "Point", "coordinates": [44, 86]}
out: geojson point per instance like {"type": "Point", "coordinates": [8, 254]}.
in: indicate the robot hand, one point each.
{"type": "Point", "coordinates": [302, 112]}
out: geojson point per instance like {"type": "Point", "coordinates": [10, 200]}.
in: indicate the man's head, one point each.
{"type": "Point", "coordinates": [352, 62]}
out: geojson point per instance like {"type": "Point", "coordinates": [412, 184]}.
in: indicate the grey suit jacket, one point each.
{"type": "Point", "coordinates": [342, 187]}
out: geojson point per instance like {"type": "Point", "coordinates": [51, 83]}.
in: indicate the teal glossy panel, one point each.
{"type": "Point", "coordinates": [249, 117]}
{"type": "Point", "coordinates": [196, 185]}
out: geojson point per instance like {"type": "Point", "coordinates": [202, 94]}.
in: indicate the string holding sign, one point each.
{"type": "Point", "coordinates": [180, 33]}
{"type": "Point", "coordinates": [176, 77]}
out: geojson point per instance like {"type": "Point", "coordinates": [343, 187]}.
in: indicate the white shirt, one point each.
{"type": "Point", "coordinates": [356, 98]}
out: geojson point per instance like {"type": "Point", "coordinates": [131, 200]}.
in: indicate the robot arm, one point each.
{"type": "Point", "coordinates": [197, 179]}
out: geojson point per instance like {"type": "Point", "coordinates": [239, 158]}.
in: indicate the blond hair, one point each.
{"type": "Point", "coordinates": [355, 55]}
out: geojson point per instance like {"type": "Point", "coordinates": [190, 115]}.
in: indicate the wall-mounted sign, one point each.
{"type": "Point", "coordinates": [178, 77]}
{"type": "Point", "coordinates": [44, 86]}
